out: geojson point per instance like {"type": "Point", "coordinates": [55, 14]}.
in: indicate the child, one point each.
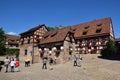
{"type": "Point", "coordinates": [17, 64]}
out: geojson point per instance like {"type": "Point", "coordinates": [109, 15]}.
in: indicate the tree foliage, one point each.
{"type": "Point", "coordinates": [50, 28]}
{"type": "Point", "coordinates": [12, 52]}
{"type": "Point", "coordinates": [2, 42]}
{"type": "Point", "coordinates": [54, 28]}
{"type": "Point", "coordinates": [110, 49]}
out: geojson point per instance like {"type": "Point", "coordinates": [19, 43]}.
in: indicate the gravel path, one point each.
{"type": "Point", "coordinates": [92, 68]}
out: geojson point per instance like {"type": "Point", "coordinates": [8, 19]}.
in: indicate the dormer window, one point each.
{"type": "Point", "coordinates": [86, 27]}
{"type": "Point", "coordinates": [74, 29]}
{"type": "Point", "coordinates": [99, 24]}
{"type": "Point", "coordinates": [54, 34]}
{"type": "Point", "coordinates": [12, 40]}
{"type": "Point", "coordinates": [98, 30]}
{"type": "Point", "coordinates": [85, 33]}
{"type": "Point", "coordinates": [46, 36]}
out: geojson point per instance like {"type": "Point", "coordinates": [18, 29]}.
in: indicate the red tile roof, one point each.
{"type": "Point", "coordinates": [103, 24]}
{"type": "Point", "coordinates": [89, 27]}
{"type": "Point", "coordinates": [55, 35]}
{"type": "Point", "coordinates": [11, 37]}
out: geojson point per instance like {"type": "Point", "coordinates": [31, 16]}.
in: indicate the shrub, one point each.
{"type": "Point", "coordinates": [12, 52]}
{"type": "Point", "coordinates": [110, 49]}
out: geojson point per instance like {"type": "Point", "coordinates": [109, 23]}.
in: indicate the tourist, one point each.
{"type": "Point", "coordinates": [55, 60]}
{"type": "Point", "coordinates": [0, 67]}
{"type": "Point", "coordinates": [50, 60]}
{"type": "Point", "coordinates": [17, 64]}
{"type": "Point", "coordinates": [28, 62]}
{"type": "Point", "coordinates": [15, 59]}
{"type": "Point", "coordinates": [75, 60]}
{"type": "Point", "coordinates": [1, 63]}
{"type": "Point", "coordinates": [51, 63]}
{"type": "Point", "coordinates": [12, 64]}
{"type": "Point", "coordinates": [44, 63]}
{"type": "Point", "coordinates": [79, 61]}
{"type": "Point", "coordinates": [6, 63]}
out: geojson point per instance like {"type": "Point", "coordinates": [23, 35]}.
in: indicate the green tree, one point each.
{"type": "Point", "coordinates": [12, 52]}
{"type": "Point", "coordinates": [2, 42]}
{"type": "Point", "coordinates": [50, 28]}
{"type": "Point", "coordinates": [110, 49]}
{"type": "Point", "coordinates": [54, 28]}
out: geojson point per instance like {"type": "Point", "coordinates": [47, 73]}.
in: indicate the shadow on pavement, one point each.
{"type": "Point", "coordinates": [115, 57]}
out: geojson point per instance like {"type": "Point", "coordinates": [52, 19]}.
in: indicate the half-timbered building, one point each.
{"type": "Point", "coordinates": [117, 43]}
{"type": "Point", "coordinates": [92, 36]}
{"type": "Point", "coordinates": [89, 37]}
{"type": "Point", "coordinates": [29, 42]}
{"type": "Point", "coordinates": [58, 42]}
{"type": "Point", "coordinates": [12, 41]}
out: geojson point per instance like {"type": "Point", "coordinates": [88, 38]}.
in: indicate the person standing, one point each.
{"type": "Point", "coordinates": [12, 64]}
{"type": "Point", "coordinates": [15, 59]}
{"type": "Point", "coordinates": [75, 60]}
{"type": "Point", "coordinates": [51, 62]}
{"type": "Point", "coordinates": [79, 61]}
{"type": "Point", "coordinates": [0, 66]}
{"type": "Point", "coordinates": [17, 64]}
{"type": "Point", "coordinates": [28, 62]}
{"type": "Point", "coordinates": [6, 63]}
{"type": "Point", "coordinates": [44, 63]}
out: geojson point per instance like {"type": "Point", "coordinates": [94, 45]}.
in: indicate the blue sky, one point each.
{"type": "Point", "coordinates": [17, 16]}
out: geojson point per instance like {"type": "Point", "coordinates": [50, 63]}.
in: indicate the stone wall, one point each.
{"type": "Point", "coordinates": [69, 50]}
{"type": "Point", "coordinates": [29, 48]}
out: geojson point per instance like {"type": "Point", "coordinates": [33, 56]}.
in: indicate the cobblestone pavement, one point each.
{"type": "Point", "coordinates": [92, 68]}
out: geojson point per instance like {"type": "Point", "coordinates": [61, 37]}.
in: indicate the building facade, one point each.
{"type": "Point", "coordinates": [92, 36]}
{"type": "Point", "coordinates": [117, 43]}
{"type": "Point", "coordinates": [58, 44]}
{"type": "Point", "coordinates": [89, 37]}
{"type": "Point", "coordinates": [29, 42]}
{"type": "Point", "coordinates": [12, 41]}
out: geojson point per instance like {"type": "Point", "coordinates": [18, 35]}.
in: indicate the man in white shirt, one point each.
{"type": "Point", "coordinates": [6, 63]}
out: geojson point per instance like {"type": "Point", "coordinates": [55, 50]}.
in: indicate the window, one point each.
{"type": "Point", "coordinates": [98, 30]}
{"type": "Point", "coordinates": [46, 36]}
{"type": "Point", "coordinates": [25, 52]}
{"type": "Point", "coordinates": [85, 33]}
{"type": "Point", "coordinates": [22, 42]}
{"type": "Point", "coordinates": [54, 34]}
{"type": "Point", "coordinates": [12, 40]}
{"type": "Point", "coordinates": [57, 54]}
{"type": "Point", "coordinates": [86, 27]}
{"type": "Point", "coordinates": [74, 29]}
{"type": "Point", "coordinates": [28, 41]}
{"type": "Point", "coordinates": [99, 24]}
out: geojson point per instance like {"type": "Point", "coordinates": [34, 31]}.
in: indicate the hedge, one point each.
{"type": "Point", "coordinates": [10, 52]}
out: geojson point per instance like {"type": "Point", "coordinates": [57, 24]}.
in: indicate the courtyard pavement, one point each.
{"type": "Point", "coordinates": [92, 68]}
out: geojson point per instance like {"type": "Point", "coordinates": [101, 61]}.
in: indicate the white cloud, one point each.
{"type": "Point", "coordinates": [11, 33]}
